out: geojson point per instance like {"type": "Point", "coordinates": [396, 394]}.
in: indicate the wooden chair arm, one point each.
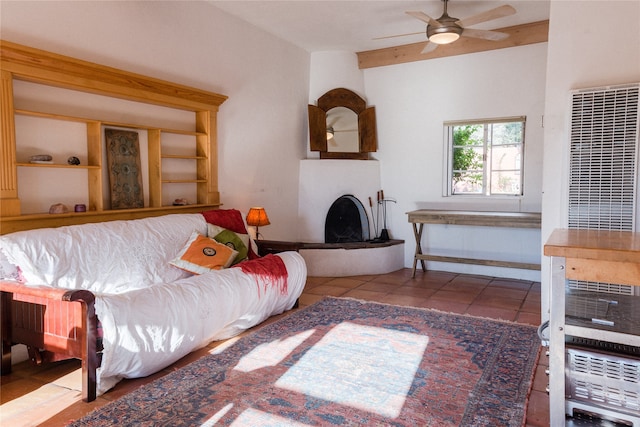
{"type": "Point", "coordinates": [60, 294]}
{"type": "Point", "coordinates": [87, 351]}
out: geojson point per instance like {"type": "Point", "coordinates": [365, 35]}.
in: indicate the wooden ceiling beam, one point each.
{"type": "Point", "coordinates": [519, 35]}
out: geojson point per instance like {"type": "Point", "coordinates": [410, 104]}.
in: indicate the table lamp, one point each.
{"type": "Point", "coordinates": [257, 217]}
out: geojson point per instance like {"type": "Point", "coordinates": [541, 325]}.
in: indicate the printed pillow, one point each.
{"type": "Point", "coordinates": [202, 254]}
{"type": "Point", "coordinates": [238, 242]}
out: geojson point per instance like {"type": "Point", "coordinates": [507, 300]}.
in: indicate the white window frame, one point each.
{"type": "Point", "coordinates": [486, 167]}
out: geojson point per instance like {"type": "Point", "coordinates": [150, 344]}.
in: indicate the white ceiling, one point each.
{"type": "Point", "coordinates": [320, 25]}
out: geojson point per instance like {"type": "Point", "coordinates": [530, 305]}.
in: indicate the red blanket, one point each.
{"type": "Point", "coordinates": [267, 271]}
{"type": "Point", "coordinates": [231, 219]}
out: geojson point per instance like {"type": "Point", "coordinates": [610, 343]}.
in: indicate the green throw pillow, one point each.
{"type": "Point", "coordinates": [231, 239]}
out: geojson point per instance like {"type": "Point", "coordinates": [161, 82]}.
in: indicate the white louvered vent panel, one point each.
{"type": "Point", "coordinates": [603, 164]}
{"type": "Point", "coordinates": [585, 285]}
{"type": "Point", "coordinates": [604, 379]}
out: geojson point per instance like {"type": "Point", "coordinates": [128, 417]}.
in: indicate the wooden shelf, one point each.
{"type": "Point", "coordinates": [44, 220]}
{"type": "Point", "coordinates": [54, 116]}
{"type": "Point", "coordinates": [49, 69]}
{"type": "Point", "coordinates": [182, 132]}
{"type": "Point", "coordinates": [183, 181]}
{"type": "Point", "coordinates": [180, 157]}
{"type": "Point", "coordinates": [475, 261]}
{"type": "Point", "coordinates": [56, 165]}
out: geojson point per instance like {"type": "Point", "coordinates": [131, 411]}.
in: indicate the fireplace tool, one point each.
{"type": "Point", "coordinates": [381, 201]}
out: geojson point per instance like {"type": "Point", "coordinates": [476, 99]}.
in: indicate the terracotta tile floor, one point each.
{"type": "Point", "coordinates": [49, 395]}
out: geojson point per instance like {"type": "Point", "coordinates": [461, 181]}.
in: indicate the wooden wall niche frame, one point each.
{"type": "Point", "coordinates": [32, 65]}
{"type": "Point", "coordinates": [340, 97]}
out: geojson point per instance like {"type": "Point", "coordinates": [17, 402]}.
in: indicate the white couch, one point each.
{"type": "Point", "coordinates": [151, 312]}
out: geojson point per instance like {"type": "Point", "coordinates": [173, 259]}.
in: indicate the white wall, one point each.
{"type": "Point", "coordinates": [412, 102]}
{"type": "Point", "coordinates": [334, 69]}
{"type": "Point", "coordinates": [262, 129]}
{"type": "Point", "coordinates": [580, 56]}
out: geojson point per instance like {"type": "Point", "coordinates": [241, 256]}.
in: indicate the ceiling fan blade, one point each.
{"type": "Point", "coordinates": [331, 123]}
{"type": "Point", "coordinates": [398, 35]}
{"type": "Point", "coordinates": [424, 17]}
{"type": "Point", "coordinates": [484, 34]}
{"type": "Point", "coordinates": [429, 47]}
{"type": "Point", "coordinates": [498, 12]}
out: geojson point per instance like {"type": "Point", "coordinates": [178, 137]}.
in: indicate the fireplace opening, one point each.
{"type": "Point", "coordinates": [346, 221]}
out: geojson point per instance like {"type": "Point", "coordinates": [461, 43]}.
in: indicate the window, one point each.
{"type": "Point", "coordinates": [485, 157]}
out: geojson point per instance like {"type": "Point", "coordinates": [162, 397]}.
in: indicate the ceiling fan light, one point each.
{"type": "Point", "coordinates": [445, 34]}
{"type": "Point", "coordinates": [330, 133]}
{"type": "Point", "coordinates": [444, 38]}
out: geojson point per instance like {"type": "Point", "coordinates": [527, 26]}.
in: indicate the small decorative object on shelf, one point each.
{"type": "Point", "coordinates": [80, 208]}
{"type": "Point", "coordinates": [180, 202]}
{"type": "Point", "coordinates": [41, 158]}
{"type": "Point", "coordinates": [58, 208]}
{"type": "Point", "coordinates": [73, 160]}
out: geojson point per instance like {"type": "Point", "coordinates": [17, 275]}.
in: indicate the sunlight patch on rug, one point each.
{"type": "Point", "coordinates": [255, 418]}
{"type": "Point", "coordinates": [364, 367]}
{"type": "Point", "coordinates": [217, 416]}
{"type": "Point", "coordinates": [271, 353]}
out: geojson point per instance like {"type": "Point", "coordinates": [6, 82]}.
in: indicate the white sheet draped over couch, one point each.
{"type": "Point", "coordinates": [152, 313]}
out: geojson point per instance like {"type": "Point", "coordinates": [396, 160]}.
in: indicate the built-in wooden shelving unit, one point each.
{"type": "Point", "coordinates": [19, 62]}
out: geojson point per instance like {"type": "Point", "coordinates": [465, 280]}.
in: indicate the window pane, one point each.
{"type": "Point", "coordinates": [505, 157]}
{"type": "Point", "coordinates": [467, 166]}
{"type": "Point", "coordinates": [467, 177]}
{"type": "Point", "coordinates": [467, 183]}
{"type": "Point", "coordinates": [506, 133]}
{"type": "Point", "coordinates": [468, 135]}
{"type": "Point", "coordinates": [505, 182]}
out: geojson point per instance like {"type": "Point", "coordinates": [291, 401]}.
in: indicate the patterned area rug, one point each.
{"type": "Point", "coordinates": [344, 362]}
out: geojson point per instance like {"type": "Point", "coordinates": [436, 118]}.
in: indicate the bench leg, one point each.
{"type": "Point", "coordinates": [417, 233]}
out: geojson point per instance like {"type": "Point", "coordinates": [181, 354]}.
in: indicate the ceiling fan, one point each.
{"type": "Point", "coordinates": [447, 29]}
{"type": "Point", "coordinates": [340, 120]}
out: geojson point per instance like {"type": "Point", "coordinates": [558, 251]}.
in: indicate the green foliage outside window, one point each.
{"type": "Point", "coordinates": [466, 159]}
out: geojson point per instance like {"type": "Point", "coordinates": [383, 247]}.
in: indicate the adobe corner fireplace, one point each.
{"type": "Point", "coordinates": [346, 221]}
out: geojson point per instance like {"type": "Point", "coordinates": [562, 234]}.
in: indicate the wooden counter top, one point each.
{"type": "Point", "coordinates": [604, 245]}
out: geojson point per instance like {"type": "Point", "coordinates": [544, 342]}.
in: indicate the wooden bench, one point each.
{"type": "Point", "coordinates": [421, 217]}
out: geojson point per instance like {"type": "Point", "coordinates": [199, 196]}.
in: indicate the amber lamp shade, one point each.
{"type": "Point", "coordinates": [257, 217]}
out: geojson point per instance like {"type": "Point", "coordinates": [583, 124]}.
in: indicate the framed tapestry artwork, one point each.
{"type": "Point", "coordinates": [125, 173]}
